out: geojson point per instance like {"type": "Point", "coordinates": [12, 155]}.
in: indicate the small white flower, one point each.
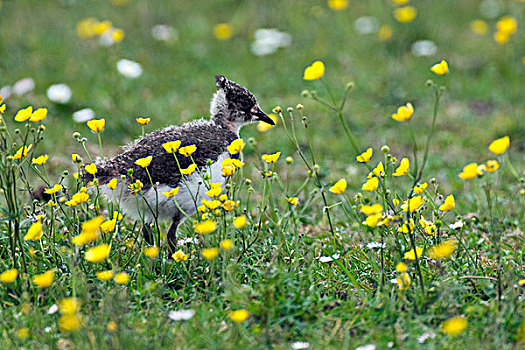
{"type": "Point", "coordinates": [162, 32]}
{"type": "Point", "coordinates": [375, 245]}
{"type": "Point", "coordinates": [366, 347]}
{"type": "Point", "coordinates": [52, 309]}
{"type": "Point", "coordinates": [6, 92]}
{"type": "Point", "coordinates": [47, 329]}
{"type": "Point", "coordinates": [181, 315]}
{"type": "Point", "coordinates": [366, 25]}
{"type": "Point", "coordinates": [23, 86]}
{"type": "Point", "coordinates": [59, 93]}
{"type": "Point", "coordinates": [83, 115]}
{"type": "Point", "coordinates": [129, 69]}
{"type": "Point", "coordinates": [300, 345]}
{"type": "Point", "coordinates": [325, 259]}
{"type": "Point", "coordinates": [424, 48]}
{"type": "Point", "coordinates": [421, 339]}
{"type": "Point", "coordinates": [457, 225]}
{"type": "Point", "coordinates": [267, 41]}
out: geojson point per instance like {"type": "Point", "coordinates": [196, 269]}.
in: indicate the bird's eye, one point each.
{"type": "Point", "coordinates": [245, 104]}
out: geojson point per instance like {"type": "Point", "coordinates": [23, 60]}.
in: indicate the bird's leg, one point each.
{"type": "Point", "coordinates": [172, 235]}
{"type": "Point", "coordinates": [147, 231]}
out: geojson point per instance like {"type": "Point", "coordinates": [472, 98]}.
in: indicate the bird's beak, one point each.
{"type": "Point", "coordinates": [260, 115]}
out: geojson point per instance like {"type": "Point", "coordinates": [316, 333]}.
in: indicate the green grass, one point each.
{"type": "Point", "coordinates": [273, 270]}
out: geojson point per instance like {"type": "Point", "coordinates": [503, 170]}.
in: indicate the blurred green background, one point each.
{"type": "Point", "coordinates": [484, 98]}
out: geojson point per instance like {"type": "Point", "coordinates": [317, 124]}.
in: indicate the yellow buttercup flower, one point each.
{"type": "Point", "coordinates": [385, 32]}
{"type": "Point", "coordinates": [442, 250]}
{"type": "Point", "coordinates": [91, 168]}
{"type": "Point", "coordinates": [229, 205]}
{"type": "Point", "coordinates": [171, 146]}
{"type": "Point", "coordinates": [339, 187]}
{"type": "Point", "coordinates": [410, 255]}
{"type": "Point", "coordinates": [210, 253]}
{"type": "Point", "coordinates": [104, 275]}
{"type": "Point", "coordinates": [171, 192]}
{"type": "Point", "coordinates": [479, 27]}
{"type": "Point", "coordinates": [212, 205]}
{"type": "Point", "coordinates": [293, 200]}
{"type": "Point", "coordinates": [271, 158]}
{"type": "Point", "coordinates": [22, 152]}
{"type": "Point", "coordinates": [401, 267]}
{"type": "Point", "coordinates": [69, 323]}
{"type": "Point", "coordinates": [314, 71]}
{"type": "Point", "coordinates": [402, 169]}
{"type": "Point", "coordinates": [469, 172]}
{"type": "Point", "coordinates": [96, 125]}
{"type": "Point", "coordinates": [38, 115]}
{"type": "Point", "coordinates": [454, 326]}
{"type": "Point", "coordinates": [24, 114]}
{"type": "Point", "coordinates": [365, 156]}
{"type": "Point", "coordinates": [205, 227]}
{"type": "Point", "coordinates": [54, 189]}
{"type": "Point", "coordinates": [189, 170]}
{"type": "Point", "coordinates": [40, 160]}
{"type": "Point", "coordinates": [223, 31]}
{"type": "Point", "coordinates": [492, 165]}
{"type": "Point", "coordinates": [371, 184]}
{"type": "Point", "coordinates": [413, 204]}
{"type": "Point", "coordinates": [8, 276]}
{"type": "Point", "coordinates": [34, 233]}
{"type": "Point", "coordinates": [112, 184]}
{"type": "Point", "coordinates": [108, 226]}
{"type": "Point", "coordinates": [77, 198]}
{"type": "Point", "coordinates": [338, 4]}
{"type": "Point", "coordinates": [226, 244]}
{"type": "Point", "coordinates": [507, 25]}
{"type": "Point", "coordinates": [378, 171]}
{"type": "Point", "coordinates": [76, 158]}
{"type": "Point", "coordinates": [117, 35]}
{"type": "Point", "coordinates": [408, 226]}
{"type": "Point", "coordinates": [404, 113]}
{"type": "Point", "coordinates": [420, 188]}
{"type": "Point", "coordinates": [98, 253]}
{"type": "Point", "coordinates": [215, 190]}
{"type": "Point", "coordinates": [179, 256]}
{"type": "Point", "coordinates": [263, 126]}
{"type": "Point", "coordinates": [236, 146]}
{"type": "Point", "coordinates": [403, 281]}
{"type": "Point", "coordinates": [499, 146]}
{"type": "Point", "coordinates": [187, 150]}
{"type": "Point", "coordinates": [142, 121]}
{"type": "Point", "coordinates": [44, 280]}
{"type": "Point", "coordinates": [373, 220]}
{"type": "Point", "coordinates": [240, 221]}
{"type": "Point", "coordinates": [239, 315]}
{"type": "Point", "coordinates": [151, 252]}
{"type": "Point", "coordinates": [449, 203]}
{"type": "Point", "coordinates": [122, 278]}
{"type": "Point", "coordinates": [371, 209]}
{"type": "Point", "coordinates": [22, 333]}
{"type": "Point", "coordinates": [144, 162]}
{"type": "Point", "coordinates": [405, 14]}
{"type": "Point", "coordinates": [69, 306]}
{"type": "Point", "coordinates": [440, 68]}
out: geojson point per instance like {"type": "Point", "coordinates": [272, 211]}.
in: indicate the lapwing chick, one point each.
{"type": "Point", "coordinates": [232, 106]}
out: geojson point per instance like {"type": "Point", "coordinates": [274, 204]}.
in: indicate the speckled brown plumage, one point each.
{"type": "Point", "coordinates": [211, 141]}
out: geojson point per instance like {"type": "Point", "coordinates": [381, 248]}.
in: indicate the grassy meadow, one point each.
{"type": "Point", "coordinates": [385, 210]}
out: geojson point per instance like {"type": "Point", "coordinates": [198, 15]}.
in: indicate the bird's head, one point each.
{"type": "Point", "coordinates": [233, 105]}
